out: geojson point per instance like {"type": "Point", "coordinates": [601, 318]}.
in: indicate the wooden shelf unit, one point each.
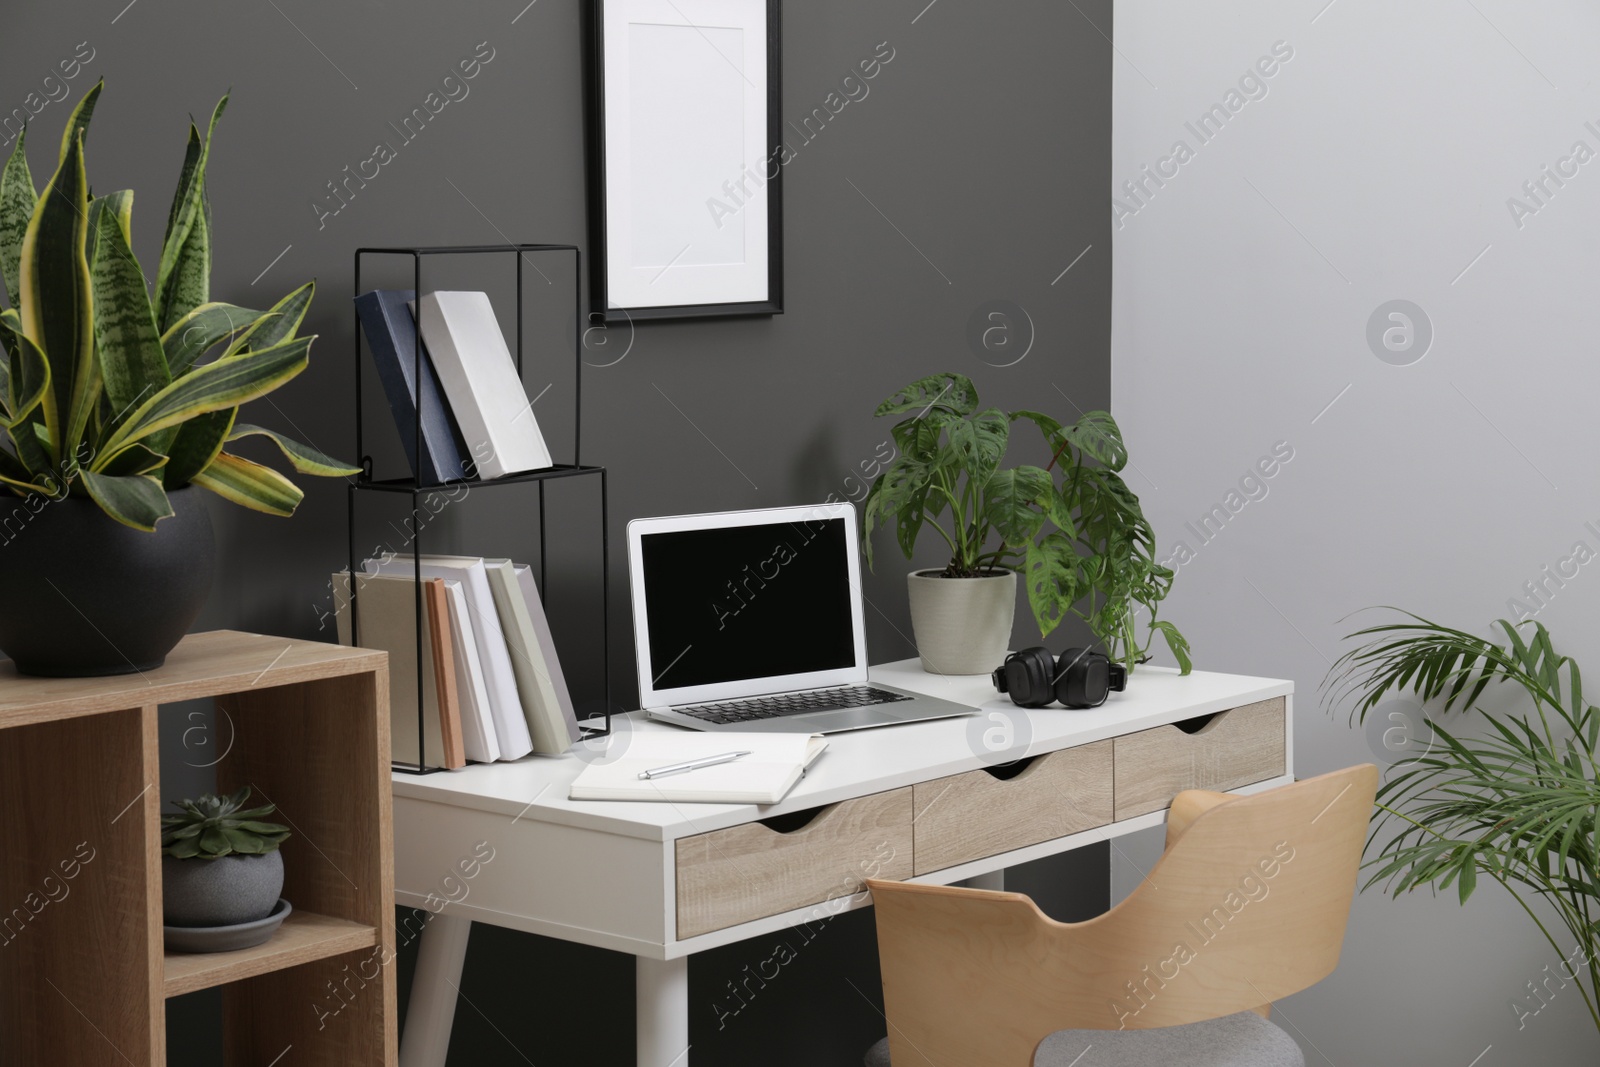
{"type": "Point", "coordinates": [84, 977]}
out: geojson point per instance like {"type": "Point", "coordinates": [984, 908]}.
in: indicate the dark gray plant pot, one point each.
{"type": "Point", "coordinates": [220, 892]}
{"type": "Point", "coordinates": [86, 595]}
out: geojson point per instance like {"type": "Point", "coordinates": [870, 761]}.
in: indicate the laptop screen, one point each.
{"type": "Point", "coordinates": [738, 602]}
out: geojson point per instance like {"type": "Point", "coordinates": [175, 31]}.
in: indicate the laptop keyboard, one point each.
{"type": "Point", "coordinates": [858, 696]}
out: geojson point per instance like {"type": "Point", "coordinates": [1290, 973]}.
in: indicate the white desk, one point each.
{"type": "Point", "coordinates": [920, 802]}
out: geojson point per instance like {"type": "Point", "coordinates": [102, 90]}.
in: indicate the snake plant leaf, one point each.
{"type": "Point", "coordinates": [133, 500]}
{"type": "Point", "coordinates": [279, 323]}
{"type": "Point", "coordinates": [186, 340]}
{"type": "Point", "coordinates": [56, 302]}
{"type": "Point", "coordinates": [24, 373]}
{"type": "Point", "coordinates": [180, 195]}
{"type": "Point", "coordinates": [951, 392]}
{"type": "Point", "coordinates": [135, 459]}
{"type": "Point", "coordinates": [224, 384]}
{"type": "Point", "coordinates": [78, 121]}
{"type": "Point", "coordinates": [196, 445]}
{"type": "Point", "coordinates": [304, 459]}
{"type": "Point", "coordinates": [189, 285]}
{"type": "Point", "coordinates": [183, 280]}
{"type": "Point", "coordinates": [119, 203]}
{"type": "Point", "coordinates": [14, 473]}
{"type": "Point", "coordinates": [17, 200]}
{"type": "Point", "coordinates": [133, 366]}
{"type": "Point", "coordinates": [201, 439]}
{"type": "Point", "coordinates": [250, 484]}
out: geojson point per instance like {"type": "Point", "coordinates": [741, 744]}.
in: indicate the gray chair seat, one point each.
{"type": "Point", "coordinates": [1243, 1040]}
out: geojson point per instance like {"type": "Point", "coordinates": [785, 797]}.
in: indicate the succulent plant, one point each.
{"type": "Point", "coordinates": [210, 827]}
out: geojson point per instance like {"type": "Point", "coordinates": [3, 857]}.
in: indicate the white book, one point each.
{"type": "Point", "coordinates": [477, 720]}
{"type": "Point", "coordinates": [511, 728]}
{"type": "Point", "coordinates": [480, 380]}
{"type": "Point", "coordinates": [543, 706]}
{"type": "Point", "coordinates": [775, 764]}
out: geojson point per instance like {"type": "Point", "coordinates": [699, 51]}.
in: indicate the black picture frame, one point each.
{"type": "Point", "coordinates": [595, 167]}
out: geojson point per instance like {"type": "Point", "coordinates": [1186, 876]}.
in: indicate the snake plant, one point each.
{"type": "Point", "coordinates": [115, 392]}
{"type": "Point", "coordinates": [210, 827]}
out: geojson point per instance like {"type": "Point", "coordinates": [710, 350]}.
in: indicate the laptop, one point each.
{"type": "Point", "coordinates": [752, 621]}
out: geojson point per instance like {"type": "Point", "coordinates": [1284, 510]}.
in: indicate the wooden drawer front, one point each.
{"type": "Point", "coordinates": [969, 816]}
{"type": "Point", "coordinates": [1237, 747]}
{"type": "Point", "coordinates": [732, 876]}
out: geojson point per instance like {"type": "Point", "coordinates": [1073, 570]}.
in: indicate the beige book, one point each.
{"type": "Point", "coordinates": [388, 610]}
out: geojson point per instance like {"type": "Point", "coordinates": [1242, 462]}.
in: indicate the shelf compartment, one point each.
{"type": "Point", "coordinates": [304, 937]}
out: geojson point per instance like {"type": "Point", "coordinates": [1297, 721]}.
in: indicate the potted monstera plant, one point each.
{"type": "Point", "coordinates": [221, 873]}
{"type": "Point", "coordinates": [118, 404]}
{"type": "Point", "coordinates": [1073, 526]}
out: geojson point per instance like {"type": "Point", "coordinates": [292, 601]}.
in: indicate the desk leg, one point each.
{"type": "Point", "coordinates": [661, 993]}
{"type": "Point", "coordinates": [432, 1009]}
{"type": "Point", "coordinates": [994, 880]}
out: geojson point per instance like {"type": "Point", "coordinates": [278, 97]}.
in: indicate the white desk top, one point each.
{"type": "Point", "coordinates": [855, 764]}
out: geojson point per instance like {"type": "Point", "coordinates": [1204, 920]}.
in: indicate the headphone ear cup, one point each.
{"type": "Point", "coordinates": [1083, 678]}
{"type": "Point", "coordinates": [1028, 677]}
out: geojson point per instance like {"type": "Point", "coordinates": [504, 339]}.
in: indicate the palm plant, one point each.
{"type": "Point", "coordinates": [1517, 805]}
{"type": "Point", "coordinates": [1085, 546]}
{"type": "Point", "coordinates": [118, 393]}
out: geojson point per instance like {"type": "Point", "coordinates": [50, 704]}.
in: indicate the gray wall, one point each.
{"type": "Point", "coordinates": [979, 162]}
{"type": "Point", "coordinates": [1378, 166]}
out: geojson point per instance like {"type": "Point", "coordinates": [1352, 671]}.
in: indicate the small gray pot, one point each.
{"type": "Point", "coordinates": [220, 892]}
{"type": "Point", "coordinates": [962, 625]}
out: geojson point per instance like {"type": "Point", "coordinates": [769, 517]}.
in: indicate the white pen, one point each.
{"type": "Point", "coordinates": [693, 765]}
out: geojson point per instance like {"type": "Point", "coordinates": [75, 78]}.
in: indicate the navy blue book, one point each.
{"type": "Point", "coordinates": [391, 334]}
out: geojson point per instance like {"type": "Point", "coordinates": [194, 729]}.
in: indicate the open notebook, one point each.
{"type": "Point", "coordinates": [775, 764]}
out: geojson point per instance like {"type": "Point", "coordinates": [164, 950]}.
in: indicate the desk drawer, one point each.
{"type": "Point", "coordinates": [748, 872]}
{"type": "Point", "coordinates": [976, 814]}
{"type": "Point", "coordinates": [1234, 748]}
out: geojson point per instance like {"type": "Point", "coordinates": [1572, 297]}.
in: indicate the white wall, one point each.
{"type": "Point", "coordinates": [1377, 166]}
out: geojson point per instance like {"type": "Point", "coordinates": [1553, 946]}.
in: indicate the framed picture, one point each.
{"type": "Point", "coordinates": [685, 171]}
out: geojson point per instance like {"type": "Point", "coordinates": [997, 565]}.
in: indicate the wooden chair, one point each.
{"type": "Point", "coordinates": [1248, 904]}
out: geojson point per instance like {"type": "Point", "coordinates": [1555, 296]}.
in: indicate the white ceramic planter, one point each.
{"type": "Point", "coordinates": [962, 625]}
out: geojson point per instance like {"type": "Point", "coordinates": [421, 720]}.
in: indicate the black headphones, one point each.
{"type": "Point", "coordinates": [1082, 678]}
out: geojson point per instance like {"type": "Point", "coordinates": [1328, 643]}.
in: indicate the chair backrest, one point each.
{"type": "Point", "coordinates": [1248, 905]}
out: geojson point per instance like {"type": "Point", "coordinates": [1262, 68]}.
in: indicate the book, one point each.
{"type": "Point", "coordinates": [480, 379]}
{"type": "Point", "coordinates": [477, 720]}
{"type": "Point", "coordinates": [390, 328]}
{"type": "Point", "coordinates": [387, 607]}
{"type": "Point", "coordinates": [775, 764]}
{"type": "Point", "coordinates": [505, 704]}
{"type": "Point", "coordinates": [547, 642]}
{"type": "Point", "coordinates": [549, 713]}
{"type": "Point", "coordinates": [442, 643]}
